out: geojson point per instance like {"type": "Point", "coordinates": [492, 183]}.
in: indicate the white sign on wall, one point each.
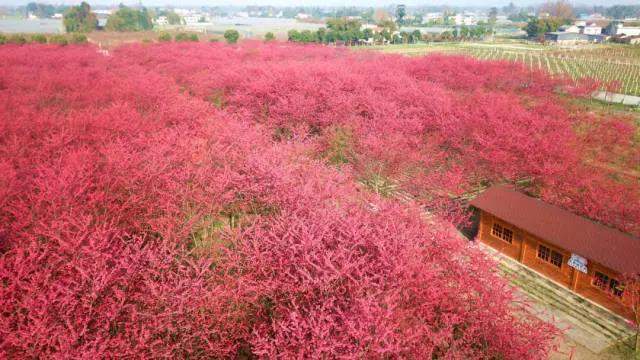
{"type": "Point", "coordinates": [578, 262]}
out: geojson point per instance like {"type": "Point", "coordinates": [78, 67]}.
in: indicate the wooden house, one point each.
{"type": "Point", "coordinates": [582, 255]}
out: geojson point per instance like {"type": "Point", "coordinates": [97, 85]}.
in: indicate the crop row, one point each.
{"type": "Point", "coordinates": [619, 74]}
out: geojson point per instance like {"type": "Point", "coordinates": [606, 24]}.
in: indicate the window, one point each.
{"type": "Point", "coordinates": [551, 256]}
{"type": "Point", "coordinates": [556, 258]}
{"type": "Point", "coordinates": [502, 232]}
{"type": "Point", "coordinates": [544, 252]}
{"type": "Point", "coordinates": [600, 280]}
{"type": "Point", "coordinates": [607, 284]}
{"type": "Point", "coordinates": [616, 288]}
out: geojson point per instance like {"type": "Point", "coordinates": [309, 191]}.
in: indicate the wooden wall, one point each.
{"type": "Point", "coordinates": [524, 248]}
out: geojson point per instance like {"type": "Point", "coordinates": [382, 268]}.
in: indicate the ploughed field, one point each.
{"type": "Point", "coordinates": [616, 67]}
{"type": "Point", "coordinates": [202, 200]}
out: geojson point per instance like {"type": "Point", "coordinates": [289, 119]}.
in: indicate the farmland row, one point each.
{"type": "Point", "coordinates": [618, 68]}
{"type": "Point", "coordinates": [624, 76]}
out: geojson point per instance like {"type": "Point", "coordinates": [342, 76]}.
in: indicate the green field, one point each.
{"type": "Point", "coordinates": [611, 64]}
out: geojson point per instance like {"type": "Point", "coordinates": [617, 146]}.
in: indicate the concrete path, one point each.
{"type": "Point", "coordinates": [590, 328]}
{"type": "Point", "coordinates": [617, 98]}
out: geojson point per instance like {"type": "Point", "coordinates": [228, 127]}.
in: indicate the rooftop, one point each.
{"type": "Point", "coordinates": [596, 242]}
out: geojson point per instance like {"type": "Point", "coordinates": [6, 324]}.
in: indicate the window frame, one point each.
{"type": "Point", "coordinates": [499, 231]}
{"type": "Point", "coordinates": [550, 256]}
{"type": "Point", "coordinates": [607, 284]}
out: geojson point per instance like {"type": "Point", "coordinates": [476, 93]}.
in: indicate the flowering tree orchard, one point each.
{"type": "Point", "coordinates": [199, 200]}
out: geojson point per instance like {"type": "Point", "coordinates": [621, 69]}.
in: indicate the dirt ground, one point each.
{"type": "Point", "coordinates": [569, 349]}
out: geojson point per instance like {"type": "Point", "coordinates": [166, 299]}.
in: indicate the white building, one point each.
{"type": "Point", "coordinates": [620, 29]}
{"type": "Point", "coordinates": [575, 29]}
{"type": "Point", "coordinates": [592, 30]}
{"type": "Point", "coordinates": [597, 16]}
{"type": "Point", "coordinates": [432, 16]}
{"type": "Point", "coordinates": [105, 12]}
{"type": "Point", "coordinates": [182, 12]}
{"type": "Point", "coordinates": [192, 19]}
{"type": "Point", "coordinates": [582, 27]}
{"type": "Point", "coordinates": [303, 16]}
{"type": "Point", "coordinates": [162, 20]}
{"type": "Point", "coordinates": [503, 20]}
{"type": "Point", "coordinates": [467, 20]}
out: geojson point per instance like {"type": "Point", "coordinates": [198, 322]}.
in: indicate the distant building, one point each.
{"type": "Point", "coordinates": [569, 29]}
{"type": "Point", "coordinates": [303, 16]}
{"type": "Point", "coordinates": [102, 16]}
{"type": "Point", "coordinates": [583, 27]}
{"type": "Point", "coordinates": [433, 16]}
{"type": "Point", "coordinates": [619, 29]}
{"type": "Point", "coordinates": [103, 12]}
{"type": "Point", "coordinates": [592, 29]}
{"type": "Point", "coordinates": [467, 19]}
{"type": "Point", "coordinates": [503, 20]}
{"type": "Point", "coordinates": [162, 20]}
{"type": "Point", "coordinates": [579, 254]}
{"type": "Point", "coordinates": [102, 22]}
{"type": "Point", "coordinates": [566, 38]}
{"type": "Point", "coordinates": [192, 19]}
{"type": "Point", "coordinates": [182, 12]}
{"type": "Point", "coordinates": [596, 16]}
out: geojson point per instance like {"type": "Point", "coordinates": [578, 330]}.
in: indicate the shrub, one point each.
{"type": "Point", "coordinates": [17, 39]}
{"type": "Point", "coordinates": [180, 37]}
{"type": "Point", "coordinates": [3, 39]}
{"type": "Point", "coordinates": [269, 36]}
{"type": "Point", "coordinates": [39, 38]}
{"type": "Point", "coordinates": [231, 36]}
{"type": "Point", "coordinates": [58, 40]}
{"type": "Point", "coordinates": [78, 38]}
{"type": "Point", "coordinates": [164, 37]}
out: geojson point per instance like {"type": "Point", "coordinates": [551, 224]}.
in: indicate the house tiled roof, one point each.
{"type": "Point", "coordinates": [596, 242]}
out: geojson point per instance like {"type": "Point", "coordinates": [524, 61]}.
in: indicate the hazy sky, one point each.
{"type": "Point", "coordinates": [178, 3]}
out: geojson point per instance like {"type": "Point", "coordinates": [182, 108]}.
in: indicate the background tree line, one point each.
{"type": "Point", "coordinates": [44, 10]}
{"type": "Point", "coordinates": [80, 18]}
{"type": "Point", "coordinates": [130, 19]}
{"type": "Point", "coordinates": [350, 32]}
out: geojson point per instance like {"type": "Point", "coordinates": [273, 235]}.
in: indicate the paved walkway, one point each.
{"type": "Point", "coordinates": [590, 329]}
{"type": "Point", "coordinates": [617, 98]}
